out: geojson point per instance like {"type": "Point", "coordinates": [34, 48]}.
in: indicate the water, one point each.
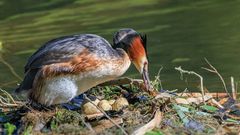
{"type": "Point", "coordinates": [180, 33]}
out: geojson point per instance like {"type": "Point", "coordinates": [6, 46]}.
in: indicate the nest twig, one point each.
{"type": "Point", "coordinates": [214, 70]}
{"type": "Point", "coordinates": [193, 73]}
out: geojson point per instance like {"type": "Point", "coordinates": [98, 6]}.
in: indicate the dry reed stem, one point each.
{"type": "Point", "coordinates": [196, 74]}
{"type": "Point", "coordinates": [6, 100]}
{"type": "Point", "coordinates": [4, 104]}
{"type": "Point", "coordinates": [158, 78]}
{"type": "Point", "coordinates": [214, 70]}
{"type": "Point", "coordinates": [234, 94]}
{"type": "Point", "coordinates": [216, 103]}
{"type": "Point", "coordinates": [8, 95]}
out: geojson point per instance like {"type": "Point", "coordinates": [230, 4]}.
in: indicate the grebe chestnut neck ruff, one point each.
{"type": "Point", "coordinates": [68, 66]}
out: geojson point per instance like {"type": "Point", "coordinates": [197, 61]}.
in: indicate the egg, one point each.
{"type": "Point", "coordinates": [89, 108]}
{"type": "Point", "coordinates": [111, 101]}
{"type": "Point", "coordinates": [120, 103]}
{"type": "Point", "coordinates": [96, 101]}
{"type": "Point", "coordinates": [104, 104]}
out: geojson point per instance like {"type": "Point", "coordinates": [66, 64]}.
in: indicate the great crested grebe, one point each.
{"type": "Point", "coordinates": [68, 66]}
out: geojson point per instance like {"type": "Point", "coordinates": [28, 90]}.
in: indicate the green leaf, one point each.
{"type": "Point", "coordinates": [28, 131]}
{"type": "Point", "coordinates": [184, 109]}
{"type": "Point", "coordinates": [53, 125]}
{"type": "Point", "coordinates": [181, 114]}
{"type": "Point", "coordinates": [191, 110]}
{"type": "Point", "coordinates": [209, 108]}
{"type": "Point", "coordinates": [154, 133]}
{"type": "Point", "coordinates": [232, 120]}
{"type": "Point", "coordinates": [10, 128]}
{"type": "Point", "coordinates": [108, 89]}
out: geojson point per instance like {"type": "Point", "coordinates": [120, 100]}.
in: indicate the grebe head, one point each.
{"type": "Point", "coordinates": [135, 46]}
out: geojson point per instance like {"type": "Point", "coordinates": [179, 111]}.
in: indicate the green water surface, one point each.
{"type": "Point", "coordinates": [180, 33]}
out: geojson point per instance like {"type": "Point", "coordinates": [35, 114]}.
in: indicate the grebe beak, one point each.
{"type": "Point", "coordinates": [142, 67]}
{"type": "Point", "coordinates": [145, 77]}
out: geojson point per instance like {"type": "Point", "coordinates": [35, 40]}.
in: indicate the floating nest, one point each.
{"type": "Point", "coordinates": [125, 109]}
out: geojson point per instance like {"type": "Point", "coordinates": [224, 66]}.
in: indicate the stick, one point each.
{"type": "Point", "coordinates": [124, 132]}
{"type": "Point", "coordinates": [159, 73]}
{"type": "Point", "coordinates": [214, 70]}
{"type": "Point", "coordinates": [158, 78]}
{"type": "Point", "coordinates": [8, 95]}
{"type": "Point", "coordinates": [4, 104]}
{"type": "Point", "coordinates": [193, 73]}
{"type": "Point", "coordinates": [6, 100]}
{"type": "Point", "coordinates": [150, 125]}
{"type": "Point", "coordinates": [216, 103]}
{"type": "Point", "coordinates": [198, 100]}
{"type": "Point", "coordinates": [234, 94]}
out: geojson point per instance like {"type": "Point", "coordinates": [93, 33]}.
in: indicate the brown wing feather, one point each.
{"type": "Point", "coordinates": [60, 52]}
{"type": "Point", "coordinates": [83, 62]}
